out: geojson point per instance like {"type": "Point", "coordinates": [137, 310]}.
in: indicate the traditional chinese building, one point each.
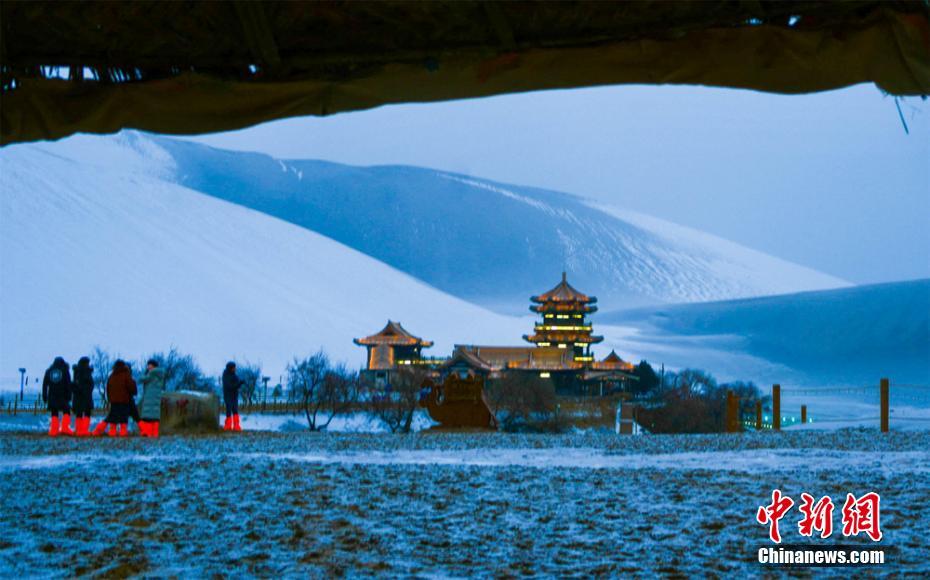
{"type": "Point", "coordinates": [389, 349]}
{"type": "Point", "coordinates": [608, 376]}
{"type": "Point", "coordinates": [564, 324]}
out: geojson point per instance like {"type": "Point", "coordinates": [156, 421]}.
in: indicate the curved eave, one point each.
{"type": "Point", "coordinates": [577, 308]}
{"type": "Point", "coordinates": [578, 298]}
{"type": "Point", "coordinates": [563, 338]}
{"type": "Point", "coordinates": [368, 341]}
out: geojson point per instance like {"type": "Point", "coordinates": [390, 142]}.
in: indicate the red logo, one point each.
{"type": "Point", "coordinates": [773, 512]}
{"type": "Point", "coordinates": [859, 515]}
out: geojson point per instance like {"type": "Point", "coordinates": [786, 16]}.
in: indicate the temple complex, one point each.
{"type": "Point", "coordinates": [560, 350]}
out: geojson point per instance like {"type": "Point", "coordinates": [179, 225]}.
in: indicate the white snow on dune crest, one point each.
{"type": "Point", "coordinates": [105, 252]}
{"type": "Point", "coordinates": [653, 258]}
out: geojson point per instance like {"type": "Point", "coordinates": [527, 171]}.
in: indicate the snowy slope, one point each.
{"type": "Point", "coordinates": [99, 246]}
{"type": "Point", "coordinates": [487, 242]}
{"type": "Point", "coordinates": [850, 336]}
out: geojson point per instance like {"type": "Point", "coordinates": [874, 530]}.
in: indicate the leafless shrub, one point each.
{"type": "Point", "coordinates": [522, 401]}
{"type": "Point", "coordinates": [396, 404]}
{"type": "Point", "coordinates": [324, 390]}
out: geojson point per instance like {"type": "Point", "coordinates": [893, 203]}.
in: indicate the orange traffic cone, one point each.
{"type": "Point", "coordinates": [236, 426]}
{"type": "Point", "coordinates": [53, 427]}
{"type": "Point", "coordinates": [80, 426]}
{"type": "Point", "coordinates": [112, 430]}
{"type": "Point", "coordinates": [65, 427]}
{"type": "Point", "coordinates": [123, 429]}
{"type": "Point", "coordinates": [100, 428]}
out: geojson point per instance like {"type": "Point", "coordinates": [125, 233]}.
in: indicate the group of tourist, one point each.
{"type": "Point", "coordinates": [64, 395]}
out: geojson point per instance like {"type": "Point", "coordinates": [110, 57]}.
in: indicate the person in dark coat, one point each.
{"type": "Point", "coordinates": [82, 399]}
{"type": "Point", "coordinates": [231, 385]}
{"type": "Point", "coordinates": [121, 388]}
{"type": "Point", "coordinates": [56, 393]}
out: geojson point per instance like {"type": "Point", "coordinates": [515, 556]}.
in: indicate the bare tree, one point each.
{"type": "Point", "coordinates": [521, 399]}
{"type": "Point", "coordinates": [251, 376]}
{"type": "Point", "coordinates": [396, 403]}
{"type": "Point", "coordinates": [181, 371]}
{"type": "Point", "coordinates": [324, 391]}
{"type": "Point", "coordinates": [101, 361]}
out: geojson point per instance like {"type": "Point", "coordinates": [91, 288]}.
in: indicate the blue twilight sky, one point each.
{"type": "Point", "coordinates": [828, 180]}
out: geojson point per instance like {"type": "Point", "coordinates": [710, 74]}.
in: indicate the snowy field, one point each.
{"type": "Point", "coordinates": [437, 505]}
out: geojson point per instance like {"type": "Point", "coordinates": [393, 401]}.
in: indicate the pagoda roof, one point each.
{"type": "Point", "coordinates": [393, 334]}
{"type": "Point", "coordinates": [613, 361]}
{"type": "Point", "coordinates": [471, 359]}
{"type": "Point", "coordinates": [613, 357]}
{"type": "Point", "coordinates": [564, 292]}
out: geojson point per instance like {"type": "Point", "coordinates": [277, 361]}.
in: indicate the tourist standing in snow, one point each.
{"type": "Point", "coordinates": [56, 393]}
{"type": "Point", "coordinates": [153, 384]}
{"type": "Point", "coordinates": [231, 385]}
{"type": "Point", "coordinates": [133, 408]}
{"type": "Point", "coordinates": [121, 388]}
{"type": "Point", "coordinates": [82, 399]}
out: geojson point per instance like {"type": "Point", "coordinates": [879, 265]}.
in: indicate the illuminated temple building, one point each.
{"type": "Point", "coordinates": [391, 348]}
{"type": "Point", "coordinates": [564, 323]}
{"type": "Point", "coordinates": [560, 349]}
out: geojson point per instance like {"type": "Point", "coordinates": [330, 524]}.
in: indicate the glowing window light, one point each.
{"type": "Point", "coordinates": [543, 343]}
{"type": "Point", "coordinates": [544, 375]}
{"type": "Point", "coordinates": [562, 345]}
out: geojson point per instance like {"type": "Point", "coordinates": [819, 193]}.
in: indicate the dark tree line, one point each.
{"type": "Point", "coordinates": [691, 401]}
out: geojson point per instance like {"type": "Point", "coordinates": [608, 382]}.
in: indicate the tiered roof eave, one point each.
{"type": "Point", "coordinates": [564, 293]}
{"type": "Point", "coordinates": [395, 335]}
{"type": "Point", "coordinates": [563, 338]}
{"type": "Point", "coordinates": [573, 307]}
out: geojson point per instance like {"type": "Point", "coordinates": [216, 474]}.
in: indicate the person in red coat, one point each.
{"type": "Point", "coordinates": [121, 388]}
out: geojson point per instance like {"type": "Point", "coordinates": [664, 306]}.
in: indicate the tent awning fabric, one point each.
{"type": "Point", "coordinates": [197, 67]}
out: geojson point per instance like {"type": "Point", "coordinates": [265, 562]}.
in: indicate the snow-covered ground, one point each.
{"type": "Point", "coordinates": [440, 505]}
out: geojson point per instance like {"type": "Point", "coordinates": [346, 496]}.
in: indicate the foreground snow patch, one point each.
{"type": "Point", "coordinates": [743, 461]}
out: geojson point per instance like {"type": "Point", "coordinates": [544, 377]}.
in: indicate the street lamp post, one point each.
{"type": "Point", "coordinates": [22, 383]}
{"type": "Point", "coordinates": [265, 398]}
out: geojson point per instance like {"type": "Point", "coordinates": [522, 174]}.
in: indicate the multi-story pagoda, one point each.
{"type": "Point", "coordinates": [564, 323]}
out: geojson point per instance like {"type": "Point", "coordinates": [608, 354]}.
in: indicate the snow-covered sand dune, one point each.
{"type": "Point", "coordinates": [488, 242]}
{"type": "Point", "coordinates": [99, 249]}
{"type": "Point", "coordinates": [842, 337]}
